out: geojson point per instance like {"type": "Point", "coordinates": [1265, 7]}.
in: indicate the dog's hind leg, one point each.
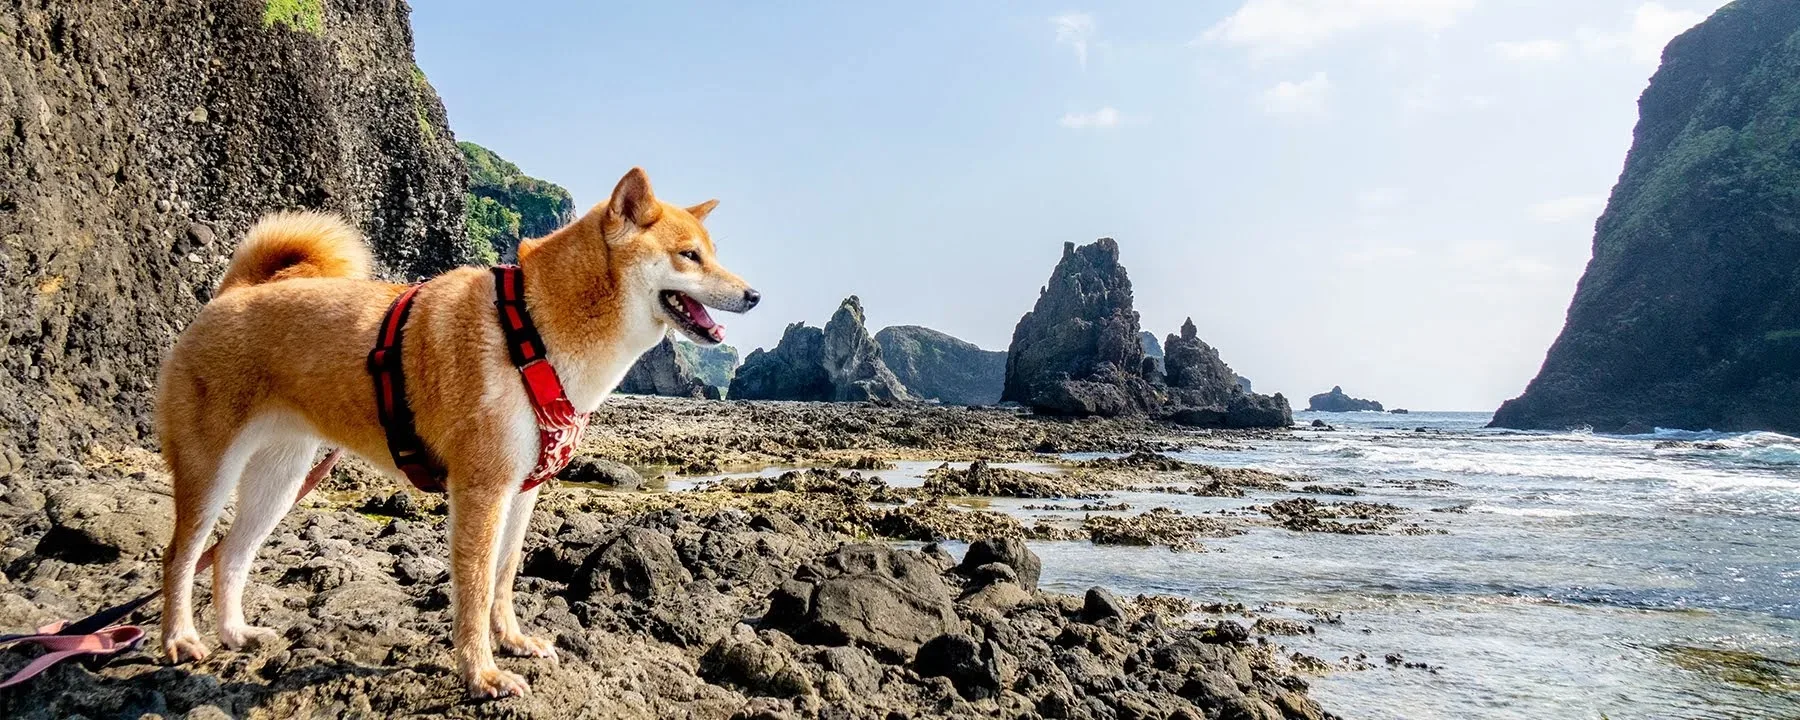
{"type": "Point", "coordinates": [265, 493]}
{"type": "Point", "coordinates": [205, 460]}
{"type": "Point", "coordinates": [507, 633]}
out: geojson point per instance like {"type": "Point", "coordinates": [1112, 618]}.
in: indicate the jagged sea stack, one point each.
{"type": "Point", "coordinates": [1077, 352]}
{"type": "Point", "coordinates": [1203, 390]}
{"type": "Point", "coordinates": [840, 363]}
{"type": "Point", "coordinates": [143, 138]}
{"type": "Point", "coordinates": [1689, 313]}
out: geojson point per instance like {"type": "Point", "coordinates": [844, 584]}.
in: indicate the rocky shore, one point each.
{"type": "Point", "coordinates": [768, 596]}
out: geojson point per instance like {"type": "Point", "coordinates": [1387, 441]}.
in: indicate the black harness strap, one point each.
{"type": "Point", "coordinates": [410, 453]}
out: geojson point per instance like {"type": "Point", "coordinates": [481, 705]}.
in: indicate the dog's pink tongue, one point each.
{"type": "Point", "coordinates": [698, 312]}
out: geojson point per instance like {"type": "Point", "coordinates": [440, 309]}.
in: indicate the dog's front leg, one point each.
{"type": "Point", "coordinates": [478, 503]}
{"type": "Point", "coordinates": [513, 640]}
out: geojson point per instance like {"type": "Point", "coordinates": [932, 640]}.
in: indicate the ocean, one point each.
{"type": "Point", "coordinates": [1566, 575]}
{"type": "Point", "coordinates": [1579, 576]}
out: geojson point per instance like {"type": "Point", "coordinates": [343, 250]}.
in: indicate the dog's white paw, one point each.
{"type": "Point", "coordinates": [522, 645]}
{"type": "Point", "coordinates": [184, 645]}
{"type": "Point", "coordinates": [492, 682]}
{"type": "Point", "coordinates": [247, 636]}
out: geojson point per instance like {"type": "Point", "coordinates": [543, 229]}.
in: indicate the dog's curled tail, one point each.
{"type": "Point", "coordinates": [305, 244]}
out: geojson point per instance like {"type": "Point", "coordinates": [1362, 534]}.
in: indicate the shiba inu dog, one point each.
{"type": "Point", "coordinates": [274, 367]}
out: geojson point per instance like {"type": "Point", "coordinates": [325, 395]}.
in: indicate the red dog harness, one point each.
{"type": "Point", "coordinates": [559, 426]}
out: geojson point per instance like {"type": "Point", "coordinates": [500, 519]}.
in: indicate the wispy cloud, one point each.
{"type": "Point", "coordinates": [1531, 51]}
{"type": "Point", "coordinates": [1653, 25]}
{"type": "Point", "coordinates": [1103, 119]}
{"type": "Point", "coordinates": [1306, 97]}
{"type": "Point", "coordinates": [1566, 209]}
{"type": "Point", "coordinates": [1075, 30]}
{"type": "Point", "coordinates": [1269, 28]}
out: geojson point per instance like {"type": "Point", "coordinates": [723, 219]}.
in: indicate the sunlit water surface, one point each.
{"type": "Point", "coordinates": [1578, 576]}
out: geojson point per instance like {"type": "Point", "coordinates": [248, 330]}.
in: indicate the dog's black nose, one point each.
{"type": "Point", "coordinates": [751, 298]}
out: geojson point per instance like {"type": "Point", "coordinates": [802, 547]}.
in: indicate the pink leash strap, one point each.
{"type": "Point", "coordinates": [99, 635]}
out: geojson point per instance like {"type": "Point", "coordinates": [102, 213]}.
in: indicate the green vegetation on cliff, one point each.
{"type": "Point", "coordinates": [713, 365]}
{"type": "Point", "coordinates": [307, 16]}
{"type": "Point", "coordinates": [1685, 315]}
{"type": "Point", "coordinates": [505, 206]}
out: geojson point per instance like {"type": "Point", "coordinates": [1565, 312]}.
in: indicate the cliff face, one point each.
{"type": "Point", "coordinates": [714, 364]}
{"type": "Point", "coordinates": [141, 139]}
{"type": "Point", "coordinates": [1689, 313]}
{"type": "Point", "coordinates": [506, 206]}
{"type": "Point", "coordinates": [940, 367]}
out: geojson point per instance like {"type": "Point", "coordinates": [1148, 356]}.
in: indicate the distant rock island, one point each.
{"type": "Point", "coordinates": [1689, 313]}
{"type": "Point", "coordinates": [714, 365]}
{"type": "Point", "coordinates": [936, 366]}
{"type": "Point", "coordinates": [1337, 401]}
{"type": "Point", "coordinates": [505, 206]}
{"type": "Point", "coordinates": [840, 363]}
{"type": "Point", "coordinates": [1080, 352]}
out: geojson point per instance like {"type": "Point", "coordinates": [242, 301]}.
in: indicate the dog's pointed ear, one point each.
{"type": "Point", "coordinates": [632, 201]}
{"type": "Point", "coordinates": [703, 209]}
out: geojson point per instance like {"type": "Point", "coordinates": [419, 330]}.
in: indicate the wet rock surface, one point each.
{"type": "Point", "coordinates": [657, 611]}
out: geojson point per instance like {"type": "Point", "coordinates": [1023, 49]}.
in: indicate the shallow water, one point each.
{"type": "Point", "coordinates": [1589, 576]}
{"type": "Point", "coordinates": [1585, 576]}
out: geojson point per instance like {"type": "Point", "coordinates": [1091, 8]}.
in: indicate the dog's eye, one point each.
{"type": "Point", "coordinates": [692, 256]}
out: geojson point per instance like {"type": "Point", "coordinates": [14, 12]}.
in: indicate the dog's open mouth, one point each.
{"type": "Point", "coordinates": [691, 317]}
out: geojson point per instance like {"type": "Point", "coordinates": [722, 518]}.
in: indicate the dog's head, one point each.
{"type": "Point", "coordinates": [665, 252]}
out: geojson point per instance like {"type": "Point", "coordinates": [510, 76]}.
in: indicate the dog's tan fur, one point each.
{"type": "Point", "coordinates": [273, 367]}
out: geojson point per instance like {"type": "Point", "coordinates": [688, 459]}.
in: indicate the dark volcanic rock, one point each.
{"type": "Point", "coordinates": [838, 364]}
{"type": "Point", "coordinates": [1008, 551]}
{"type": "Point", "coordinates": [1203, 390]}
{"type": "Point", "coordinates": [939, 367]}
{"type": "Point", "coordinates": [789, 372]}
{"type": "Point", "coordinates": [664, 371]}
{"type": "Point", "coordinates": [1337, 401]}
{"type": "Point", "coordinates": [853, 360]}
{"type": "Point", "coordinates": [143, 138]}
{"type": "Point", "coordinates": [887, 601]}
{"type": "Point", "coordinates": [1152, 349]}
{"type": "Point", "coordinates": [1077, 352]}
{"type": "Point", "coordinates": [1689, 313]}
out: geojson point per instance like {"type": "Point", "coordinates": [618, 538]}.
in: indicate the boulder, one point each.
{"type": "Point", "coordinates": [886, 601]}
{"type": "Point", "coordinates": [664, 371]}
{"type": "Point", "coordinates": [640, 563]}
{"type": "Point", "coordinates": [601, 471]}
{"type": "Point", "coordinates": [1009, 551]}
{"type": "Point", "coordinates": [936, 366]}
{"type": "Point", "coordinates": [1337, 401]}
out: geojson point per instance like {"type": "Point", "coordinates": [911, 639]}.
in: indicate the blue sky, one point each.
{"type": "Point", "coordinates": [1396, 196]}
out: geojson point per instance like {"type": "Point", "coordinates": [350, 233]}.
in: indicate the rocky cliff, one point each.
{"type": "Point", "coordinates": [142, 138]}
{"type": "Point", "coordinates": [665, 371]}
{"type": "Point", "coordinates": [713, 364]}
{"type": "Point", "coordinates": [1080, 352]}
{"type": "Point", "coordinates": [840, 363]}
{"type": "Point", "coordinates": [939, 367]}
{"type": "Point", "coordinates": [1337, 401]}
{"type": "Point", "coordinates": [1689, 313]}
{"type": "Point", "coordinates": [506, 206]}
